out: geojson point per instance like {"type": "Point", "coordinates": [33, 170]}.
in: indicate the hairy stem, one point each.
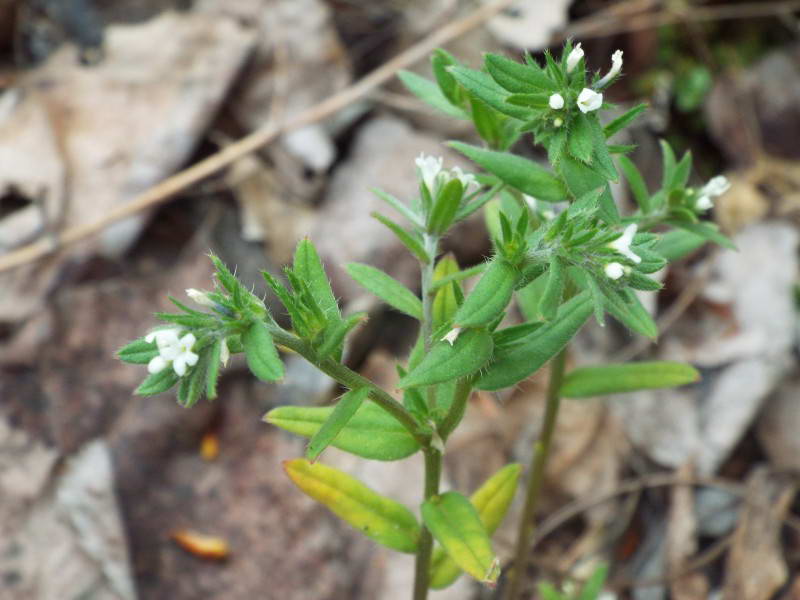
{"type": "Point", "coordinates": [541, 451]}
{"type": "Point", "coordinates": [352, 380]}
{"type": "Point", "coordinates": [457, 408]}
{"type": "Point", "coordinates": [431, 243]}
{"type": "Point", "coordinates": [433, 472]}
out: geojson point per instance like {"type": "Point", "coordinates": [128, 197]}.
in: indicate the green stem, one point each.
{"type": "Point", "coordinates": [541, 451]}
{"type": "Point", "coordinates": [352, 380]}
{"type": "Point", "coordinates": [457, 408]}
{"type": "Point", "coordinates": [433, 472]}
{"type": "Point", "coordinates": [431, 244]}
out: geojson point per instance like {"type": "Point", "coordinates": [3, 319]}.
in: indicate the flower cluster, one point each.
{"type": "Point", "coordinates": [434, 176]}
{"type": "Point", "coordinates": [713, 189]}
{"type": "Point", "coordinates": [172, 349]}
{"type": "Point", "coordinates": [589, 99]}
{"type": "Point", "coordinates": [622, 245]}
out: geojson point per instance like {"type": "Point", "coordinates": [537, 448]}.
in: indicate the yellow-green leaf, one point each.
{"type": "Point", "coordinates": [455, 524]}
{"type": "Point", "coordinates": [341, 415]}
{"type": "Point", "coordinates": [445, 301]}
{"type": "Point", "coordinates": [384, 520]}
{"type": "Point", "coordinates": [491, 501]}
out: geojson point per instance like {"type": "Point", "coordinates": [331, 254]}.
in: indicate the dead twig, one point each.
{"type": "Point", "coordinates": [208, 166]}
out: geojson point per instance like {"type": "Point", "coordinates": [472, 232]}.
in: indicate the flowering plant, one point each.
{"type": "Point", "coordinates": [561, 250]}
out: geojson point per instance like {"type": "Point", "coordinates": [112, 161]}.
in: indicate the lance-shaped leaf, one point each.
{"type": "Point", "coordinates": [406, 238]}
{"type": "Point", "coordinates": [429, 92]}
{"type": "Point", "coordinates": [157, 382]}
{"type": "Point", "coordinates": [636, 183]}
{"type": "Point", "coordinates": [490, 297]}
{"type": "Point", "coordinates": [456, 525]}
{"type": "Point", "coordinates": [446, 206]}
{"type": "Point", "coordinates": [336, 332]}
{"type": "Point", "coordinates": [388, 289]}
{"type": "Point", "coordinates": [512, 365]}
{"type": "Point", "coordinates": [551, 297]}
{"type": "Point", "coordinates": [212, 368]}
{"type": "Point", "coordinates": [371, 433]}
{"type": "Point", "coordinates": [445, 300]}
{"type": "Point", "coordinates": [387, 522]}
{"type": "Point", "coordinates": [486, 89]}
{"type": "Point", "coordinates": [518, 172]}
{"type": "Point", "coordinates": [491, 501]}
{"type": "Point", "coordinates": [678, 243]}
{"type": "Point", "coordinates": [140, 352]}
{"type": "Point", "coordinates": [516, 77]}
{"type": "Point", "coordinates": [260, 352]}
{"type": "Point", "coordinates": [344, 410]}
{"type": "Point", "coordinates": [471, 351]}
{"type": "Point", "coordinates": [586, 382]}
{"type": "Point", "coordinates": [308, 267]}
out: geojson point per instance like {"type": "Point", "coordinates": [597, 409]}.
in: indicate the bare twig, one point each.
{"type": "Point", "coordinates": [199, 171]}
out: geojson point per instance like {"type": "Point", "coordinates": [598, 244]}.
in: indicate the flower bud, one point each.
{"type": "Point", "coordinates": [556, 101]}
{"type": "Point", "coordinates": [574, 57]}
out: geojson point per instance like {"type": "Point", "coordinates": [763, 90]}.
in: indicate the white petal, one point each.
{"type": "Point", "coordinates": [166, 337]}
{"type": "Point", "coordinates": [190, 358]}
{"type": "Point", "coordinates": [150, 337]}
{"type": "Point", "coordinates": [199, 297]}
{"type": "Point", "coordinates": [156, 365]}
{"type": "Point", "coordinates": [224, 354]}
{"type": "Point", "coordinates": [452, 335]}
{"type": "Point", "coordinates": [188, 341]}
{"type": "Point", "coordinates": [614, 270]}
{"type": "Point", "coordinates": [574, 57]}
{"type": "Point", "coordinates": [170, 352]}
{"type": "Point", "coordinates": [703, 203]}
{"type": "Point", "coordinates": [716, 186]}
{"type": "Point", "coordinates": [556, 101]}
{"type": "Point", "coordinates": [179, 364]}
{"type": "Point", "coordinates": [589, 100]}
{"type": "Point", "coordinates": [616, 67]}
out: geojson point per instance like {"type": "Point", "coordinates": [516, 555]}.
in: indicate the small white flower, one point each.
{"type": "Point", "coordinates": [162, 337]}
{"type": "Point", "coordinates": [225, 353]}
{"type": "Point", "coordinates": [172, 349]}
{"type": "Point", "coordinates": [713, 189]}
{"type": "Point", "coordinates": [616, 67]}
{"type": "Point", "coordinates": [556, 101]}
{"type": "Point", "coordinates": [466, 179]}
{"type": "Point", "coordinates": [452, 335]}
{"type": "Point", "coordinates": [199, 297]}
{"type": "Point", "coordinates": [184, 356]}
{"type": "Point", "coordinates": [614, 270]}
{"type": "Point", "coordinates": [429, 168]}
{"type": "Point", "coordinates": [574, 57]}
{"type": "Point", "coordinates": [589, 100]}
{"type": "Point", "coordinates": [623, 244]}
{"type": "Point", "coordinates": [558, 122]}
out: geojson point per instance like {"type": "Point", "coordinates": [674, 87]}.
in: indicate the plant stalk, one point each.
{"type": "Point", "coordinates": [541, 451]}
{"type": "Point", "coordinates": [457, 408]}
{"type": "Point", "coordinates": [422, 567]}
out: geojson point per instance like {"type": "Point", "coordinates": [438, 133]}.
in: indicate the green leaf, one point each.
{"type": "Point", "coordinates": [387, 522]}
{"type": "Point", "coordinates": [586, 382]}
{"type": "Point", "coordinates": [484, 88]}
{"type": "Point", "coordinates": [341, 415]}
{"type": "Point", "coordinates": [602, 157]}
{"type": "Point", "coordinates": [623, 121]}
{"type": "Point", "coordinates": [638, 281]}
{"type": "Point", "coordinates": [581, 180]}
{"type": "Point", "coordinates": [682, 171]}
{"type": "Point", "coordinates": [388, 289]}
{"type": "Point", "coordinates": [371, 433]}
{"type": "Point", "coordinates": [539, 101]}
{"type": "Point", "coordinates": [224, 276]}
{"type": "Point", "coordinates": [580, 138]}
{"type": "Point", "coordinates": [212, 368]}
{"type": "Point", "coordinates": [445, 207]}
{"type": "Point", "coordinates": [260, 352]}
{"type": "Point", "coordinates": [551, 297]}
{"type": "Point", "coordinates": [430, 94]}
{"type": "Point", "coordinates": [399, 206]}
{"type": "Point", "coordinates": [157, 383]}
{"type": "Point", "coordinates": [194, 382]}
{"type": "Point", "coordinates": [336, 333]}
{"type": "Point", "coordinates": [518, 172]}
{"type": "Point", "coordinates": [626, 308]}
{"type": "Point", "coordinates": [407, 239]}
{"type": "Point", "coordinates": [516, 77]}
{"type": "Point", "coordinates": [490, 297]}
{"type": "Point", "coordinates": [512, 365]}
{"type": "Point", "coordinates": [308, 267]}
{"type": "Point", "coordinates": [456, 525]}
{"type": "Point", "coordinates": [530, 296]}
{"type": "Point", "coordinates": [441, 60]}
{"type": "Point", "coordinates": [138, 352]}
{"type": "Point", "coordinates": [492, 501]}
{"type": "Point", "coordinates": [708, 231]}
{"type": "Point", "coordinates": [471, 351]}
{"type": "Point", "coordinates": [591, 590]}
{"type": "Point", "coordinates": [668, 165]}
{"type": "Point", "coordinates": [678, 243]}
{"type": "Point", "coordinates": [445, 300]}
{"type": "Point", "coordinates": [637, 184]}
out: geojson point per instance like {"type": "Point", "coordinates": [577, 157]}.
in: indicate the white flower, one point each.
{"type": "Point", "coordinates": [172, 349]}
{"type": "Point", "coordinates": [199, 297]}
{"type": "Point", "coordinates": [466, 179]}
{"type": "Point", "coordinates": [452, 335]}
{"type": "Point", "coordinates": [556, 101]}
{"type": "Point", "coordinates": [623, 243]}
{"type": "Point", "coordinates": [616, 67]}
{"type": "Point", "coordinates": [574, 57]}
{"type": "Point", "coordinates": [558, 122]}
{"type": "Point", "coordinates": [589, 100]}
{"type": "Point", "coordinates": [225, 353]}
{"type": "Point", "coordinates": [713, 189]}
{"type": "Point", "coordinates": [614, 270]}
{"type": "Point", "coordinates": [429, 168]}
